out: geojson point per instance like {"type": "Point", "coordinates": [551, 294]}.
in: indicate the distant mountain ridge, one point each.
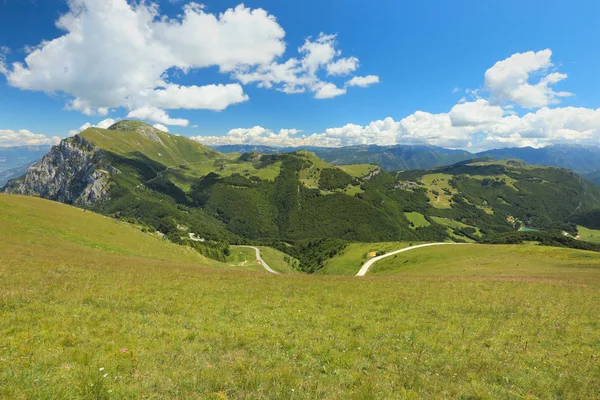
{"type": "Point", "coordinates": [579, 158]}
{"type": "Point", "coordinates": [296, 201]}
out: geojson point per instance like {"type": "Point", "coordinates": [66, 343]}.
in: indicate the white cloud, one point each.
{"type": "Point", "coordinates": [475, 125]}
{"type": "Point", "coordinates": [509, 80]}
{"type": "Point", "coordinates": [23, 137]}
{"type": "Point", "coordinates": [161, 127]}
{"type": "Point", "coordinates": [327, 91]}
{"type": "Point", "coordinates": [363, 81]}
{"type": "Point", "coordinates": [209, 97]}
{"type": "Point", "coordinates": [157, 115]}
{"type": "Point", "coordinates": [343, 66]}
{"type": "Point", "coordinates": [460, 128]}
{"type": "Point", "coordinates": [104, 124]}
{"type": "Point", "coordinates": [119, 54]}
{"type": "Point", "coordinates": [262, 136]}
{"type": "Point", "coordinates": [299, 75]}
{"type": "Point", "coordinates": [475, 113]}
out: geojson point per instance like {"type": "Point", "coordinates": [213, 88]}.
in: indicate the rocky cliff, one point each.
{"type": "Point", "coordinates": [74, 172]}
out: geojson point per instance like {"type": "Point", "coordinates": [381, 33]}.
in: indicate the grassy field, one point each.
{"type": "Point", "coordinates": [310, 176]}
{"type": "Point", "coordinates": [349, 261]}
{"type": "Point", "coordinates": [536, 262]}
{"type": "Point", "coordinates": [278, 261]}
{"type": "Point", "coordinates": [455, 224]}
{"type": "Point", "coordinates": [439, 190]}
{"type": "Point", "coordinates": [184, 176]}
{"type": "Point", "coordinates": [589, 235]}
{"type": "Point", "coordinates": [244, 258]}
{"type": "Point", "coordinates": [113, 317]}
{"type": "Point", "coordinates": [358, 170]}
{"type": "Point", "coordinates": [417, 219]}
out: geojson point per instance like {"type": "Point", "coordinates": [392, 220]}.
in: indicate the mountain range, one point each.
{"type": "Point", "coordinates": [296, 201]}
{"type": "Point", "coordinates": [579, 158]}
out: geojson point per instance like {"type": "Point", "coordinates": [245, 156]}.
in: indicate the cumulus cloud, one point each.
{"type": "Point", "coordinates": [343, 66]}
{"type": "Point", "coordinates": [23, 137]}
{"type": "Point", "coordinates": [299, 75]}
{"type": "Point", "coordinates": [460, 128]}
{"type": "Point", "coordinates": [510, 80]}
{"type": "Point", "coordinates": [480, 124]}
{"type": "Point", "coordinates": [262, 136]}
{"type": "Point", "coordinates": [119, 53]}
{"type": "Point", "coordinates": [104, 124]}
{"type": "Point", "coordinates": [363, 81]}
{"type": "Point", "coordinates": [154, 114]}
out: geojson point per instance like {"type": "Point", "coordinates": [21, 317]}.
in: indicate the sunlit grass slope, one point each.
{"type": "Point", "coordinates": [278, 261]}
{"type": "Point", "coordinates": [494, 260]}
{"type": "Point", "coordinates": [38, 230]}
{"type": "Point", "coordinates": [82, 322]}
{"type": "Point", "coordinates": [349, 261]}
{"type": "Point", "coordinates": [132, 138]}
{"type": "Point", "coordinates": [589, 235]}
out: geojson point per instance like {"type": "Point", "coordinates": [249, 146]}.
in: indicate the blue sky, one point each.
{"type": "Point", "coordinates": [426, 65]}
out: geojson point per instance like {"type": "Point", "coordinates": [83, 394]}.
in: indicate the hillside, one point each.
{"type": "Point", "coordinates": [593, 177]}
{"type": "Point", "coordinates": [296, 202]}
{"type": "Point", "coordinates": [40, 231]}
{"type": "Point", "coordinates": [128, 316]}
{"type": "Point", "coordinates": [485, 195]}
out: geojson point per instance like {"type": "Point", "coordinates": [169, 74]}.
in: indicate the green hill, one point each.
{"type": "Point", "coordinates": [501, 261]}
{"type": "Point", "coordinates": [49, 233]}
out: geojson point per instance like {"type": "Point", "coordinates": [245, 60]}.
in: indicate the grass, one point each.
{"type": "Point", "coordinates": [278, 261]}
{"type": "Point", "coordinates": [161, 147]}
{"type": "Point", "coordinates": [227, 165]}
{"type": "Point", "coordinates": [510, 182]}
{"type": "Point", "coordinates": [541, 262]}
{"type": "Point", "coordinates": [418, 220]}
{"type": "Point", "coordinates": [169, 328]}
{"type": "Point", "coordinates": [438, 188]}
{"type": "Point", "coordinates": [186, 159]}
{"type": "Point", "coordinates": [455, 224]}
{"type": "Point", "coordinates": [310, 176]}
{"type": "Point", "coordinates": [349, 261]}
{"type": "Point", "coordinates": [358, 170]}
{"type": "Point", "coordinates": [589, 235]}
{"type": "Point", "coordinates": [244, 258]}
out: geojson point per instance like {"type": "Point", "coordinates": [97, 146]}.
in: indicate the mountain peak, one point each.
{"type": "Point", "coordinates": [132, 126]}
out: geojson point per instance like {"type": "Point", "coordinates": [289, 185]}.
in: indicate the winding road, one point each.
{"type": "Point", "coordinates": [373, 260]}
{"type": "Point", "coordinates": [260, 260]}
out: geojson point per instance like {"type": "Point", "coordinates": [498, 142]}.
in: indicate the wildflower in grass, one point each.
{"type": "Point", "coordinates": [124, 350]}
{"type": "Point", "coordinates": [102, 369]}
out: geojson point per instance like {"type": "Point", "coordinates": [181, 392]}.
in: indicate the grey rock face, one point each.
{"type": "Point", "coordinates": [74, 172]}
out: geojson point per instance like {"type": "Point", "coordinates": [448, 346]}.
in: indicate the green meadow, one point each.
{"type": "Point", "coordinates": [92, 308]}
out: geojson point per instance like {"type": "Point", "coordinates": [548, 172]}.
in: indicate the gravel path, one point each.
{"type": "Point", "coordinates": [260, 260]}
